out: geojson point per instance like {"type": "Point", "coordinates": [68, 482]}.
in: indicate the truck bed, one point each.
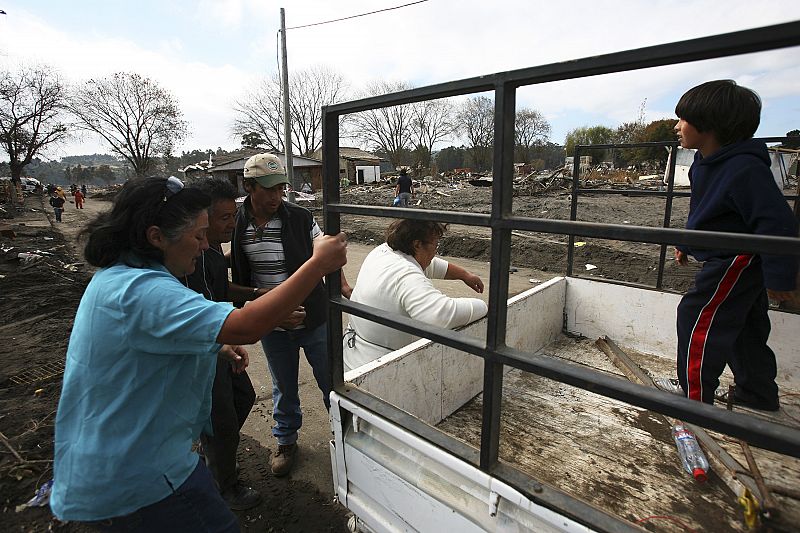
{"type": "Point", "coordinates": [619, 457]}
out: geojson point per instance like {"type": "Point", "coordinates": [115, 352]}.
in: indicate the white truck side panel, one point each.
{"type": "Point", "coordinates": [397, 482]}
{"type": "Point", "coordinates": [436, 380]}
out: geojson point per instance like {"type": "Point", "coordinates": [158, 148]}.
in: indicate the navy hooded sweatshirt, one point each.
{"type": "Point", "coordinates": [733, 191]}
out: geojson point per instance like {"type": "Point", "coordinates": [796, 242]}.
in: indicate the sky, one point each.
{"type": "Point", "coordinates": [208, 53]}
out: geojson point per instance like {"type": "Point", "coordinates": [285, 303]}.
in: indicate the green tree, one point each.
{"type": "Point", "coordinates": [105, 174]}
{"type": "Point", "coordinates": [794, 142]}
{"type": "Point", "coordinates": [657, 130]}
{"type": "Point", "coordinates": [450, 158]}
{"type": "Point", "coordinates": [627, 133]}
{"type": "Point", "coordinates": [588, 135]}
{"type": "Point", "coordinates": [253, 140]}
{"type": "Point", "coordinates": [551, 154]}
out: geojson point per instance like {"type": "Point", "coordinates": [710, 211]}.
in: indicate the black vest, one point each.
{"type": "Point", "coordinates": [296, 223]}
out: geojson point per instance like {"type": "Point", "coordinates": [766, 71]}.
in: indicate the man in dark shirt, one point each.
{"type": "Point", "coordinates": [233, 394]}
{"type": "Point", "coordinates": [58, 205]}
{"type": "Point", "coordinates": [405, 188]}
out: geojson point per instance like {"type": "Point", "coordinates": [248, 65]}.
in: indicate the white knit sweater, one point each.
{"type": "Point", "coordinates": [393, 281]}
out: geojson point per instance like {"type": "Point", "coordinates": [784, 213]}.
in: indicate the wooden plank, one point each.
{"type": "Point", "coordinates": [717, 456]}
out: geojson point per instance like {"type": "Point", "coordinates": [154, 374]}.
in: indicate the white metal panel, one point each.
{"type": "Point", "coordinates": [338, 462]}
{"type": "Point", "coordinates": [536, 316]}
{"type": "Point", "coordinates": [640, 319]}
{"type": "Point", "coordinates": [645, 320]}
{"type": "Point", "coordinates": [783, 339]}
{"type": "Point", "coordinates": [399, 482]}
{"type": "Point", "coordinates": [431, 381]}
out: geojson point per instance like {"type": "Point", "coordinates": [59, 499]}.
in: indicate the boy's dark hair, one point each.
{"type": "Point", "coordinates": [402, 233]}
{"type": "Point", "coordinates": [216, 189]}
{"type": "Point", "coordinates": [731, 112]}
{"type": "Point", "coordinates": [141, 203]}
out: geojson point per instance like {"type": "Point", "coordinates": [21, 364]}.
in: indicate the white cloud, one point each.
{"type": "Point", "coordinates": [433, 42]}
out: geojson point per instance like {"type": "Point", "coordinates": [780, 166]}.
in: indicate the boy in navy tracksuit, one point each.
{"type": "Point", "coordinates": [723, 318]}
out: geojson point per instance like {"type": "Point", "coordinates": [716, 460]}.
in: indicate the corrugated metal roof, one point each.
{"type": "Point", "coordinates": [238, 164]}
{"type": "Point", "coordinates": [349, 152]}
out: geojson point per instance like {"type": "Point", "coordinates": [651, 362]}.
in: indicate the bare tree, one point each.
{"type": "Point", "coordinates": [476, 121]}
{"type": "Point", "coordinates": [138, 119]}
{"type": "Point", "coordinates": [388, 129]}
{"type": "Point", "coordinates": [530, 129]}
{"type": "Point", "coordinates": [260, 110]}
{"type": "Point", "coordinates": [32, 100]}
{"type": "Point", "coordinates": [433, 123]}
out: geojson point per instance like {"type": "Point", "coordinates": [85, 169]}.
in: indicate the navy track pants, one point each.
{"type": "Point", "coordinates": [723, 320]}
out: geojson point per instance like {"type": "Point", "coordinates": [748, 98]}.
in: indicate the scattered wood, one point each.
{"type": "Point", "coordinates": [4, 440]}
{"type": "Point", "coordinates": [726, 466]}
{"type": "Point", "coordinates": [768, 504]}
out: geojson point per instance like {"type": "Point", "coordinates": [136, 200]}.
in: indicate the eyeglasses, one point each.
{"type": "Point", "coordinates": [172, 187]}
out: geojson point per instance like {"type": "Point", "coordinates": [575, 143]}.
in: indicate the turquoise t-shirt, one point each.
{"type": "Point", "coordinates": [136, 393]}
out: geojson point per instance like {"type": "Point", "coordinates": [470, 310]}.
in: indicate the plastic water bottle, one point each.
{"type": "Point", "coordinates": [694, 461]}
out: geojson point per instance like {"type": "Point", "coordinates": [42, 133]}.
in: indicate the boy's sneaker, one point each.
{"type": "Point", "coordinates": [751, 401]}
{"type": "Point", "coordinates": [240, 498]}
{"type": "Point", "coordinates": [284, 460]}
{"type": "Point", "coordinates": [668, 384]}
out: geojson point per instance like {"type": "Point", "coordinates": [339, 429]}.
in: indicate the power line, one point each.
{"type": "Point", "coordinates": [356, 16]}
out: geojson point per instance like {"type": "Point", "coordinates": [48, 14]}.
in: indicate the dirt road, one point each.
{"type": "Point", "coordinates": [36, 313]}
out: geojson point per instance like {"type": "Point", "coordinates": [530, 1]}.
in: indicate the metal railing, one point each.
{"type": "Point", "coordinates": [669, 194]}
{"type": "Point", "coordinates": [493, 350]}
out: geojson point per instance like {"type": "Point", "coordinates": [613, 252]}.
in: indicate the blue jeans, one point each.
{"type": "Point", "coordinates": [283, 357]}
{"type": "Point", "coordinates": [194, 507]}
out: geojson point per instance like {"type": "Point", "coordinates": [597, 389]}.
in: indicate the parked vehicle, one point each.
{"type": "Point", "coordinates": [31, 185]}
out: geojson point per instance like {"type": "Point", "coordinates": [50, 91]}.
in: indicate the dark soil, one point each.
{"type": "Point", "coordinates": [37, 308]}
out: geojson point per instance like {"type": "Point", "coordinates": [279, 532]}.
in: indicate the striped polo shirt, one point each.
{"type": "Point", "coordinates": [264, 251]}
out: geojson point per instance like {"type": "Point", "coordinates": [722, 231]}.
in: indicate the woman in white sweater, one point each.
{"type": "Point", "coordinates": [395, 277]}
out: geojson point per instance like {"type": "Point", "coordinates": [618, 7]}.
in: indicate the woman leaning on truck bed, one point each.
{"type": "Point", "coordinates": [396, 277]}
{"type": "Point", "coordinates": [140, 365]}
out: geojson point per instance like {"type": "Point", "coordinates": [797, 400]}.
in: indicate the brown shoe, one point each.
{"type": "Point", "coordinates": [283, 461]}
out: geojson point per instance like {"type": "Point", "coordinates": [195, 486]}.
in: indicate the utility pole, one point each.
{"type": "Point", "coordinates": [287, 117]}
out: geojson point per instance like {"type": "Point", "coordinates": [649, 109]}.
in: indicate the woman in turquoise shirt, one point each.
{"type": "Point", "coordinates": [140, 365]}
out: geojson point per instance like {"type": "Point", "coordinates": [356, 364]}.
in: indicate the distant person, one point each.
{"type": "Point", "coordinates": [84, 190]}
{"type": "Point", "coordinates": [404, 189]}
{"type": "Point", "coordinates": [232, 395]}
{"type": "Point", "coordinates": [272, 240]}
{"type": "Point", "coordinates": [140, 365]}
{"type": "Point", "coordinates": [58, 205]}
{"type": "Point", "coordinates": [395, 277]}
{"type": "Point", "coordinates": [78, 199]}
{"type": "Point", "coordinates": [723, 318]}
